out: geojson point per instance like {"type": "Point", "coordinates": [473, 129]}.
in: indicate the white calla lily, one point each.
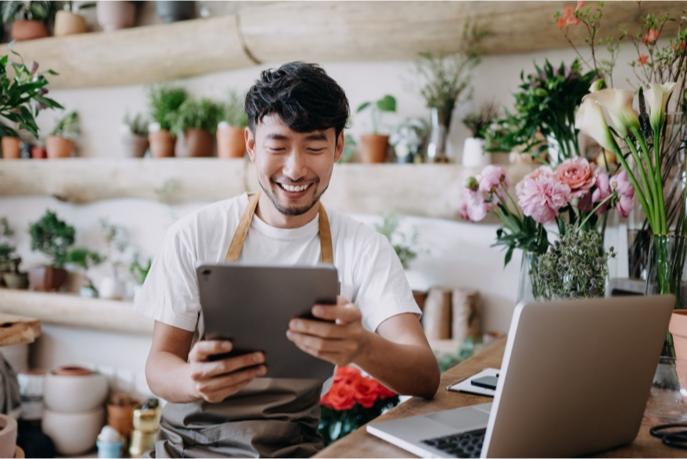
{"type": "Point", "coordinates": [597, 85]}
{"type": "Point", "coordinates": [590, 120]}
{"type": "Point", "coordinates": [657, 98]}
{"type": "Point", "coordinates": [617, 109]}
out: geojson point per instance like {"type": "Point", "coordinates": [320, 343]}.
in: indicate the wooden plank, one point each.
{"type": "Point", "coordinates": [361, 444]}
{"type": "Point", "coordinates": [18, 329]}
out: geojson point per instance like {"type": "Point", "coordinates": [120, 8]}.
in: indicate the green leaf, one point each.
{"type": "Point", "coordinates": [362, 107]}
{"type": "Point", "coordinates": [387, 103]}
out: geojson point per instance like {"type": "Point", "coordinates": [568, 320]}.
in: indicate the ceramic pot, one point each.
{"type": "Point", "coordinates": [115, 15]}
{"type": "Point", "coordinates": [135, 146]}
{"type": "Point", "coordinates": [8, 436]}
{"type": "Point", "coordinates": [11, 148]}
{"type": "Point", "coordinates": [373, 148]}
{"type": "Point", "coordinates": [231, 142]}
{"type": "Point", "coordinates": [47, 278]}
{"type": "Point", "coordinates": [59, 147]}
{"type": "Point", "coordinates": [111, 288]}
{"type": "Point", "coordinates": [162, 144]}
{"type": "Point", "coordinates": [39, 153]}
{"type": "Point", "coordinates": [73, 433]}
{"type": "Point", "coordinates": [678, 328]}
{"type": "Point", "coordinates": [473, 153]}
{"type": "Point", "coordinates": [199, 143]}
{"type": "Point", "coordinates": [67, 23]}
{"type": "Point", "coordinates": [121, 418]}
{"type": "Point", "coordinates": [28, 30]}
{"type": "Point", "coordinates": [17, 281]}
{"type": "Point", "coordinates": [171, 11]}
{"type": "Point", "coordinates": [74, 390]}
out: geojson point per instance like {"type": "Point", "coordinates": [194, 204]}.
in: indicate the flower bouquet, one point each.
{"type": "Point", "coordinates": [352, 401]}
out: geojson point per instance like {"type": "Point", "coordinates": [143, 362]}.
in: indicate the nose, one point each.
{"type": "Point", "coordinates": [295, 165]}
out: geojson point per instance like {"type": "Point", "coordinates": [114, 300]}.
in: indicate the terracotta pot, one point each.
{"type": "Point", "coordinates": [8, 436]}
{"type": "Point", "coordinates": [678, 327]}
{"type": "Point", "coordinates": [17, 281]}
{"type": "Point", "coordinates": [11, 148]}
{"type": "Point", "coordinates": [231, 142]}
{"type": "Point", "coordinates": [115, 15]}
{"type": "Point", "coordinates": [121, 418]}
{"type": "Point", "coordinates": [373, 148]}
{"type": "Point", "coordinates": [47, 278]}
{"type": "Point", "coordinates": [199, 142]}
{"type": "Point", "coordinates": [28, 30]}
{"type": "Point", "coordinates": [67, 23]}
{"type": "Point", "coordinates": [162, 144]}
{"type": "Point", "coordinates": [135, 146]}
{"type": "Point", "coordinates": [39, 153]}
{"type": "Point", "coordinates": [59, 147]}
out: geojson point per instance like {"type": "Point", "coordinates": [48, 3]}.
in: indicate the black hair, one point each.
{"type": "Point", "coordinates": [302, 94]}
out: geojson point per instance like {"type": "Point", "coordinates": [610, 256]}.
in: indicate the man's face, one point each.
{"type": "Point", "coordinates": [293, 168]}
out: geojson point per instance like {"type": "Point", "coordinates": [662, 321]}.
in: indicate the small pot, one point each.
{"type": "Point", "coordinates": [73, 433]}
{"type": "Point", "coordinates": [8, 436]}
{"type": "Point", "coordinates": [111, 288]}
{"type": "Point", "coordinates": [11, 148]}
{"type": "Point", "coordinates": [199, 143]}
{"type": "Point", "coordinates": [373, 148]}
{"type": "Point", "coordinates": [47, 278]}
{"type": "Point", "coordinates": [473, 153]}
{"type": "Point", "coordinates": [28, 30]}
{"type": "Point", "coordinates": [17, 281]}
{"type": "Point", "coordinates": [67, 23]}
{"type": "Point", "coordinates": [231, 141]}
{"type": "Point", "coordinates": [678, 328]}
{"type": "Point", "coordinates": [135, 146]}
{"type": "Point", "coordinates": [171, 11]}
{"type": "Point", "coordinates": [59, 147]}
{"type": "Point", "coordinates": [115, 15]}
{"type": "Point", "coordinates": [162, 144]}
{"type": "Point", "coordinates": [74, 389]}
{"type": "Point", "coordinates": [121, 418]}
{"type": "Point", "coordinates": [39, 152]}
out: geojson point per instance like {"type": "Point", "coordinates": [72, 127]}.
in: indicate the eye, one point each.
{"type": "Point", "coordinates": [276, 149]}
{"type": "Point", "coordinates": [316, 150]}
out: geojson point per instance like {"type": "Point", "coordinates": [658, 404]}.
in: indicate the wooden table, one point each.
{"type": "Point", "coordinates": [18, 330]}
{"type": "Point", "coordinates": [361, 444]}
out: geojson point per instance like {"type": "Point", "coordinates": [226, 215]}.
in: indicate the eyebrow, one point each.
{"type": "Point", "coordinates": [317, 135]}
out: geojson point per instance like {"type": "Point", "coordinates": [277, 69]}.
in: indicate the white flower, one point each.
{"type": "Point", "coordinates": [617, 109]}
{"type": "Point", "coordinates": [590, 120]}
{"type": "Point", "coordinates": [657, 98]}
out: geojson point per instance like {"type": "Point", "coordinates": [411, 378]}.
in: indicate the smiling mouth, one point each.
{"type": "Point", "coordinates": [294, 188]}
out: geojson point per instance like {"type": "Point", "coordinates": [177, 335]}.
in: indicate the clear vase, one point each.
{"type": "Point", "coordinates": [527, 290]}
{"type": "Point", "coordinates": [436, 146]}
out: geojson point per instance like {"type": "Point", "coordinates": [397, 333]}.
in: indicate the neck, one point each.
{"type": "Point", "coordinates": [270, 215]}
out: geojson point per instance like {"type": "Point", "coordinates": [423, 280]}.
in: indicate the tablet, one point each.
{"type": "Point", "coordinates": [252, 307]}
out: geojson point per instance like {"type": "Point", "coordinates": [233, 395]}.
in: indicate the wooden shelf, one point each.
{"type": "Point", "coordinates": [72, 310]}
{"type": "Point", "coordinates": [311, 31]}
{"type": "Point", "coordinates": [424, 190]}
{"type": "Point", "coordinates": [18, 329]}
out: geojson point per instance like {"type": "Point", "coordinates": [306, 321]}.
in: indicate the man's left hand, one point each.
{"type": "Point", "coordinates": [339, 340]}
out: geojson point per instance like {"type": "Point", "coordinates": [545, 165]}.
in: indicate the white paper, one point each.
{"type": "Point", "coordinates": [466, 384]}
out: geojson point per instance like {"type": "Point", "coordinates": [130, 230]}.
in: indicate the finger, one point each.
{"type": "Point", "coordinates": [314, 342]}
{"type": "Point", "coordinates": [220, 396]}
{"type": "Point", "coordinates": [333, 357]}
{"type": "Point", "coordinates": [204, 349]}
{"type": "Point", "coordinates": [342, 314]}
{"type": "Point", "coordinates": [316, 328]}
{"type": "Point", "coordinates": [206, 370]}
{"type": "Point", "coordinates": [222, 383]}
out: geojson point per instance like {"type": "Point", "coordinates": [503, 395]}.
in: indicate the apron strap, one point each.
{"type": "Point", "coordinates": [236, 246]}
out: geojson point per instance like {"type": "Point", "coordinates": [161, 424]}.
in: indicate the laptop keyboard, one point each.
{"type": "Point", "coordinates": [464, 444]}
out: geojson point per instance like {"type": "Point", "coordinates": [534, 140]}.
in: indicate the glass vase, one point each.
{"type": "Point", "coordinates": [436, 146]}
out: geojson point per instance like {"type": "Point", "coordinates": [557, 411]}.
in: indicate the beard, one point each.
{"type": "Point", "coordinates": [289, 210]}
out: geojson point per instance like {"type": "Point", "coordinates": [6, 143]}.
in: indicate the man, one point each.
{"type": "Point", "coordinates": [296, 114]}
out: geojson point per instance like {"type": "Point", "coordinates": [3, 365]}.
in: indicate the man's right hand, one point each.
{"type": "Point", "coordinates": [214, 381]}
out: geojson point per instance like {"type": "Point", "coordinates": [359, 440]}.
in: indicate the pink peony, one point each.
{"type": "Point", "coordinates": [626, 193]}
{"type": "Point", "coordinates": [473, 206]}
{"type": "Point", "coordinates": [578, 174]}
{"type": "Point", "coordinates": [602, 190]}
{"type": "Point", "coordinates": [541, 196]}
{"type": "Point", "coordinates": [491, 178]}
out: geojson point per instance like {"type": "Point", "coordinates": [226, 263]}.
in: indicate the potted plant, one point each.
{"type": "Point", "coordinates": [29, 19]}
{"type": "Point", "coordinates": [231, 141]}
{"type": "Point", "coordinates": [374, 145]}
{"type": "Point", "coordinates": [172, 11]}
{"type": "Point", "coordinates": [139, 271]}
{"type": "Point", "coordinates": [112, 286]}
{"type": "Point", "coordinates": [10, 275]}
{"type": "Point", "coordinates": [197, 121]}
{"type": "Point", "coordinates": [164, 103]}
{"type": "Point", "coordinates": [84, 259]}
{"type": "Point", "coordinates": [68, 21]}
{"type": "Point", "coordinates": [61, 141]}
{"type": "Point", "coordinates": [408, 139]}
{"type": "Point", "coordinates": [22, 96]}
{"type": "Point", "coordinates": [38, 150]}
{"type": "Point", "coordinates": [478, 123]}
{"type": "Point", "coordinates": [53, 237]}
{"type": "Point", "coordinates": [116, 15]}
{"type": "Point", "coordinates": [135, 135]}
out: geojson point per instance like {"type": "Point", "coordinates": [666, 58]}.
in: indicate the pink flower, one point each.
{"type": "Point", "coordinates": [626, 193]}
{"type": "Point", "coordinates": [643, 59]}
{"type": "Point", "coordinates": [650, 37]}
{"type": "Point", "coordinates": [473, 206]}
{"type": "Point", "coordinates": [578, 174]}
{"type": "Point", "coordinates": [491, 178]}
{"type": "Point", "coordinates": [541, 196]}
{"type": "Point", "coordinates": [567, 18]}
{"type": "Point", "coordinates": [601, 191]}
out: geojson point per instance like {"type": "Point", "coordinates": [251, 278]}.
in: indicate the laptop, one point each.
{"type": "Point", "coordinates": [574, 380]}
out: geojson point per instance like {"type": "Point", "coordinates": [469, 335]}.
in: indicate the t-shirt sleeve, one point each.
{"type": "Point", "coordinates": [383, 288]}
{"type": "Point", "coordinates": [170, 291]}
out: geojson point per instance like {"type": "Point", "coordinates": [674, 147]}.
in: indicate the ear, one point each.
{"type": "Point", "coordinates": [250, 143]}
{"type": "Point", "coordinates": [339, 146]}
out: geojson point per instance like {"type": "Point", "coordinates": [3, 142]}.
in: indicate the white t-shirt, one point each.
{"type": "Point", "coordinates": [370, 273]}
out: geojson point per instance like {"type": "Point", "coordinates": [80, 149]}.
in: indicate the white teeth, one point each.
{"type": "Point", "coordinates": [293, 189]}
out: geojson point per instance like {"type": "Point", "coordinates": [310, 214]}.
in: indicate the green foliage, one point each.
{"type": "Point", "coordinates": [43, 11]}
{"type": "Point", "coordinates": [197, 114]}
{"type": "Point", "coordinates": [137, 124]}
{"type": "Point", "coordinates": [84, 258]}
{"type": "Point", "coordinates": [478, 122]}
{"type": "Point", "coordinates": [386, 104]}
{"type": "Point", "coordinates": [53, 237]}
{"type": "Point", "coordinates": [335, 425]}
{"type": "Point", "coordinates": [139, 270]}
{"type": "Point", "coordinates": [545, 105]}
{"type": "Point", "coordinates": [74, 7]}
{"type": "Point", "coordinates": [22, 96]}
{"type": "Point", "coordinates": [520, 232]}
{"type": "Point", "coordinates": [7, 260]}
{"type": "Point", "coordinates": [69, 126]}
{"type": "Point", "coordinates": [233, 111]}
{"type": "Point", "coordinates": [164, 102]}
{"type": "Point", "coordinates": [403, 244]}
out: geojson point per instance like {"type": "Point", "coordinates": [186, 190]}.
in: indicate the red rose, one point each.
{"type": "Point", "coordinates": [340, 397]}
{"type": "Point", "coordinates": [384, 392]}
{"type": "Point", "coordinates": [366, 392]}
{"type": "Point", "coordinates": [346, 375]}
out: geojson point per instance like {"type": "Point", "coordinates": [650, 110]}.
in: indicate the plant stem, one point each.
{"type": "Point", "coordinates": [647, 185]}
{"type": "Point", "coordinates": [633, 179]}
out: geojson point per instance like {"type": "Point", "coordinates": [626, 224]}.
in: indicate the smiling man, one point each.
{"type": "Point", "coordinates": [297, 114]}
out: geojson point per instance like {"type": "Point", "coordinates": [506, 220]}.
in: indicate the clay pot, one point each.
{"type": "Point", "coordinates": [28, 30]}
{"type": "Point", "coordinates": [39, 153]}
{"type": "Point", "coordinates": [199, 143]}
{"type": "Point", "coordinates": [59, 147]}
{"type": "Point", "coordinates": [162, 144]}
{"type": "Point", "coordinates": [121, 418]}
{"type": "Point", "coordinates": [373, 148]}
{"type": "Point", "coordinates": [8, 436]}
{"type": "Point", "coordinates": [17, 281]}
{"type": "Point", "coordinates": [231, 142]}
{"type": "Point", "coordinates": [67, 23]}
{"type": "Point", "coordinates": [678, 327]}
{"type": "Point", "coordinates": [73, 433]}
{"type": "Point", "coordinates": [47, 278]}
{"type": "Point", "coordinates": [74, 389]}
{"type": "Point", "coordinates": [135, 146]}
{"type": "Point", "coordinates": [11, 148]}
{"type": "Point", "coordinates": [115, 15]}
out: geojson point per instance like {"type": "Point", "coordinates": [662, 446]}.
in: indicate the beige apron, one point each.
{"type": "Point", "coordinates": [269, 418]}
